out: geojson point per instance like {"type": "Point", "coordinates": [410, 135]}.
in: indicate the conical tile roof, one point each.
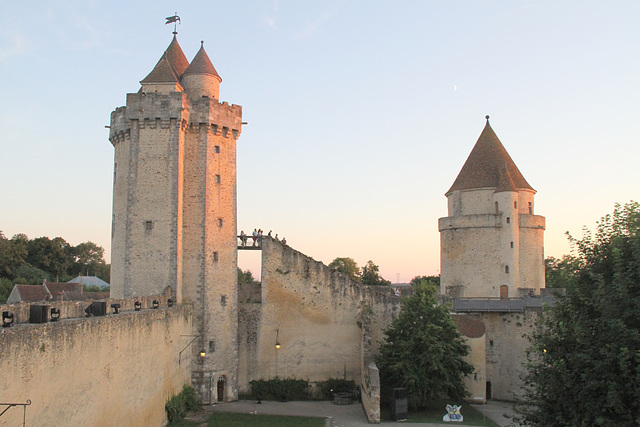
{"type": "Point", "coordinates": [170, 66]}
{"type": "Point", "coordinates": [489, 166]}
{"type": "Point", "coordinates": [201, 64]}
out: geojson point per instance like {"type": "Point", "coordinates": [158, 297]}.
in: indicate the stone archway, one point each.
{"type": "Point", "coordinates": [222, 382]}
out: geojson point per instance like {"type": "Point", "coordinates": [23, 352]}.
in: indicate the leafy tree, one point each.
{"type": "Point", "coordinates": [12, 254]}
{"type": "Point", "coordinates": [435, 280]}
{"type": "Point", "coordinates": [370, 275]}
{"type": "Point", "coordinates": [245, 277]}
{"type": "Point", "coordinates": [51, 255]}
{"type": "Point", "coordinates": [6, 286]}
{"type": "Point", "coordinates": [88, 258]}
{"type": "Point", "coordinates": [583, 365]}
{"type": "Point", "coordinates": [346, 266]}
{"type": "Point", "coordinates": [423, 351]}
{"type": "Point", "coordinates": [561, 273]}
{"type": "Point", "coordinates": [26, 274]}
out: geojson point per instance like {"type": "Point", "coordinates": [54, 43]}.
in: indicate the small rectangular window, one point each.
{"type": "Point", "coordinates": [225, 131]}
{"type": "Point", "coordinates": [212, 346]}
{"type": "Point", "coordinates": [220, 222]}
{"type": "Point", "coordinates": [216, 149]}
{"type": "Point", "coordinates": [490, 343]}
{"type": "Point", "coordinates": [515, 205]}
{"type": "Point", "coordinates": [511, 245]}
{"type": "Point", "coordinates": [148, 225]}
{"type": "Point", "coordinates": [530, 208]}
{"type": "Point", "coordinates": [217, 179]}
{"type": "Point", "coordinates": [215, 256]}
{"type": "Point", "coordinates": [508, 220]}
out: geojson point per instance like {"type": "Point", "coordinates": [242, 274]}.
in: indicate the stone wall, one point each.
{"type": "Point", "coordinates": [99, 371]}
{"type": "Point", "coordinates": [316, 316]}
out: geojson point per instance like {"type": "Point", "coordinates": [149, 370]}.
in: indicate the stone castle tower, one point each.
{"type": "Point", "coordinates": [491, 242]}
{"type": "Point", "coordinates": [174, 205]}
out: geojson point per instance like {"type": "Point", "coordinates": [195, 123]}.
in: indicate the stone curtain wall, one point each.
{"type": "Point", "coordinates": [99, 371]}
{"type": "Point", "coordinates": [314, 313]}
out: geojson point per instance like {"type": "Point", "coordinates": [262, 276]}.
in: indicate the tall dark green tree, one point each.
{"type": "Point", "coordinates": [584, 362]}
{"type": "Point", "coordinates": [424, 351]}
{"type": "Point", "coordinates": [561, 273]}
{"type": "Point", "coordinates": [371, 275]}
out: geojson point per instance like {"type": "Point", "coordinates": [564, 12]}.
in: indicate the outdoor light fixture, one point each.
{"type": "Point", "coordinates": [203, 353]}
{"type": "Point", "coordinates": [7, 319]}
{"type": "Point", "coordinates": [170, 302]}
{"type": "Point", "coordinates": [137, 305]}
{"type": "Point", "coordinates": [277, 340]}
{"type": "Point", "coordinates": [116, 308]}
{"type": "Point", "coordinates": [54, 314]}
{"type": "Point", "coordinates": [155, 304]}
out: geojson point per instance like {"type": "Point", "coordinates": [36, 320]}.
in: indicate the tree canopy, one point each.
{"type": "Point", "coordinates": [584, 362]}
{"type": "Point", "coordinates": [26, 261]}
{"type": "Point", "coordinates": [346, 266]}
{"type": "Point", "coordinates": [424, 350]}
{"type": "Point", "coordinates": [371, 275]}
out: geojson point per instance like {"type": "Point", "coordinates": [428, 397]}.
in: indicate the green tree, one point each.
{"type": "Point", "coordinates": [561, 273]}
{"type": "Point", "coordinates": [12, 254]}
{"type": "Point", "coordinates": [423, 351]}
{"type": "Point", "coordinates": [583, 365]}
{"type": "Point", "coordinates": [435, 280]}
{"type": "Point", "coordinates": [51, 255]}
{"type": "Point", "coordinates": [346, 266]}
{"type": "Point", "coordinates": [245, 277]}
{"type": "Point", "coordinates": [6, 286]}
{"type": "Point", "coordinates": [26, 274]}
{"type": "Point", "coordinates": [88, 259]}
{"type": "Point", "coordinates": [370, 275]}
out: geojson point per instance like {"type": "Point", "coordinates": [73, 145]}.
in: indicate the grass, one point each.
{"type": "Point", "coordinates": [254, 420]}
{"type": "Point", "coordinates": [437, 409]}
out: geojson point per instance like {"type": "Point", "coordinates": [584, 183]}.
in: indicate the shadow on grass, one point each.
{"type": "Point", "coordinates": [254, 420]}
{"type": "Point", "coordinates": [437, 409]}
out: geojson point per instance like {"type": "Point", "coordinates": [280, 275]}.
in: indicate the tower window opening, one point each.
{"type": "Point", "coordinates": [220, 222]}
{"type": "Point", "coordinates": [212, 346]}
{"type": "Point", "coordinates": [515, 205]}
{"type": "Point", "coordinates": [148, 225]}
{"type": "Point", "coordinates": [508, 220]}
{"type": "Point", "coordinates": [530, 208]}
{"type": "Point", "coordinates": [506, 269]}
{"type": "Point", "coordinates": [215, 256]}
{"type": "Point", "coordinates": [511, 245]}
{"type": "Point", "coordinates": [225, 131]}
{"type": "Point", "coordinates": [496, 205]}
{"type": "Point", "coordinates": [216, 149]}
{"type": "Point", "coordinates": [490, 343]}
{"type": "Point", "coordinates": [217, 179]}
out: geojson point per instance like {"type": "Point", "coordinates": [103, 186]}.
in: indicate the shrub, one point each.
{"type": "Point", "coordinates": [280, 389]}
{"type": "Point", "coordinates": [179, 405]}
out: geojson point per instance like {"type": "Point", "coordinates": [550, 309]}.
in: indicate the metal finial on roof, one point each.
{"type": "Point", "coordinates": [201, 43]}
{"type": "Point", "coordinates": [487, 117]}
{"type": "Point", "coordinates": [172, 20]}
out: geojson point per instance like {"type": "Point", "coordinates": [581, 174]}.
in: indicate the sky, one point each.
{"type": "Point", "coordinates": [360, 113]}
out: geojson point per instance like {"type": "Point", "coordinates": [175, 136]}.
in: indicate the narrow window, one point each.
{"type": "Point", "coordinates": [530, 208]}
{"type": "Point", "coordinates": [216, 149]}
{"type": "Point", "coordinates": [217, 179]}
{"type": "Point", "coordinates": [515, 205]}
{"type": "Point", "coordinates": [508, 220]}
{"type": "Point", "coordinates": [511, 245]}
{"type": "Point", "coordinates": [215, 256]}
{"type": "Point", "coordinates": [115, 170]}
{"type": "Point", "coordinates": [148, 225]}
{"type": "Point", "coordinates": [225, 131]}
{"type": "Point", "coordinates": [220, 222]}
{"type": "Point", "coordinates": [496, 205]}
{"type": "Point", "coordinates": [212, 346]}
{"type": "Point", "coordinates": [506, 269]}
{"type": "Point", "coordinates": [490, 343]}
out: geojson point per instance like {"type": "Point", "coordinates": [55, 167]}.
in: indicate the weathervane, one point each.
{"type": "Point", "coordinates": [172, 20]}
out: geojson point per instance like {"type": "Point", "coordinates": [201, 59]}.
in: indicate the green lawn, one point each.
{"type": "Point", "coordinates": [437, 409]}
{"type": "Point", "coordinates": [255, 420]}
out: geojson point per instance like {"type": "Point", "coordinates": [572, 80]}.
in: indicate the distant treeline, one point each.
{"type": "Point", "coordinates": [29, 261]}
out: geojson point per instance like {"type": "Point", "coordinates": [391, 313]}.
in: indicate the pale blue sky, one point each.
{"type": "Point", "coordinates": [361, 113]}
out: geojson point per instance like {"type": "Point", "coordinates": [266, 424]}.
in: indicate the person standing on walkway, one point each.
{"type": "Point", "coordinates": [255, 236]}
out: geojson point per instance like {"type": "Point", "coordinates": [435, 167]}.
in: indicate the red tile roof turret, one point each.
{"type": "Point", "coordinates": [201, 64]}
{"type": "Point", "coordinates": [485, 167]}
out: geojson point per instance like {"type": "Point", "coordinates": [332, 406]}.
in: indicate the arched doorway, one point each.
{"type": "Point", "coordinates": [504, 292]}
{"type": "Point", "coordinates": [222, 381]}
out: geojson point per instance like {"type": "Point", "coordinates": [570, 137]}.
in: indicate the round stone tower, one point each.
{"type": "Point", "coordinates": [491, 243]}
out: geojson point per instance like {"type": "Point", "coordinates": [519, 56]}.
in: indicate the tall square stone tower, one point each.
{"type": "Point", "coordinates": [174, 206]}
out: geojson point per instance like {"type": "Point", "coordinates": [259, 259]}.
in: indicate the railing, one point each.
{"type": "Point", "coordinates": [249, 242]}
{"type": "Point", "coordinates": [501, 305]}
{"type": "Point", "coordinates": [24, 409]}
